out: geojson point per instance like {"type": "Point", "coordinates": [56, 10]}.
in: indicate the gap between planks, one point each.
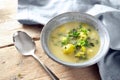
{"type": "Point", "coordinates": [9, 45]}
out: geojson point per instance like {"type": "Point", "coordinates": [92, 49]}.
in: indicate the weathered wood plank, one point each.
{"type": "Point", "coordinates": [7, 30]}
{"type": "Point", "coordinates": [14, 65]}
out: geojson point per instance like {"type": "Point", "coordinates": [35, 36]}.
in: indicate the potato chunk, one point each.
{"type": "Point", "coordinates": [68, 49]}
{"type": "Point", "coordinates": [80, 55]}
{"type": "Point", "coordinates": [83, 48]}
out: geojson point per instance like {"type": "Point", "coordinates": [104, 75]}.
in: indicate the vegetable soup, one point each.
{"type": "Point", "coordinates": [74, 42]}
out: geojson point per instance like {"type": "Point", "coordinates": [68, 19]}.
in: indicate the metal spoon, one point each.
{"type": "Point", "coordinates": [26, 46]}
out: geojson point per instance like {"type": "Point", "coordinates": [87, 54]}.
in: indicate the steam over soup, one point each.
{"type": "Point", "coordinates": [74, 42]}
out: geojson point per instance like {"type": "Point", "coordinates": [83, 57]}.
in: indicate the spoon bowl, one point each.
{"type": "Point", "coordinates": [24, 44]}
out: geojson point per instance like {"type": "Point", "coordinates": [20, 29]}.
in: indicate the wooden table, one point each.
{"type": "Point", "coordinates": [14, 66]}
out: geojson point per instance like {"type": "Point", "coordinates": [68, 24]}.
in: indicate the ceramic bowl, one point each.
{"type": "Point", "coordinates": [79, 17]}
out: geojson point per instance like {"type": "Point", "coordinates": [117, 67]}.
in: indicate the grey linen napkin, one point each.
{"type": "Point", "coordinates": [41, 11]}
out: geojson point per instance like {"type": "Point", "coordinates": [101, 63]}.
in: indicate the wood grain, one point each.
{"type": "Point", "coordinates": [14, 65]}
{"type": "Point", "coordinates": [9, 28]}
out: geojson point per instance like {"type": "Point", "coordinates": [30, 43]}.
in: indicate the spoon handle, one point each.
{"type": "Point", "coordinates": [52, 75]}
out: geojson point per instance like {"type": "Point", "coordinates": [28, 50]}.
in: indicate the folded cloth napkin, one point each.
{"type": "Point", "coordinates": [41, 11]}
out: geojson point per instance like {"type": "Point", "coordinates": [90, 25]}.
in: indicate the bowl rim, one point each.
{"type": "Point", "coordinates": [83, 64]}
